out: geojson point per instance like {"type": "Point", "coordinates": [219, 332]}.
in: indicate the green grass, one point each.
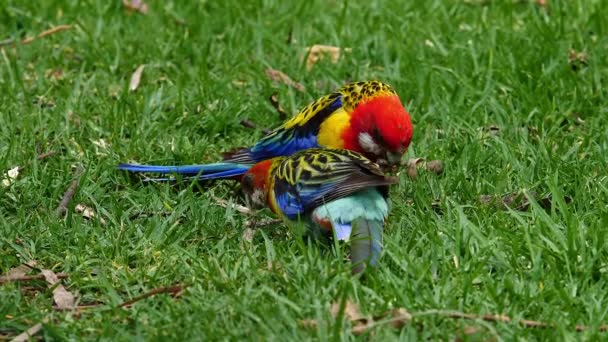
{"type": "Point", "coordinates": [460, 67]}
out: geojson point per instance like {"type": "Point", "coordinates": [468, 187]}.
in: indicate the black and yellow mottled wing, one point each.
{"type": "Point", "coordinates": [301, 131]}
{"type": "Point", "coordinates": [313, 177]}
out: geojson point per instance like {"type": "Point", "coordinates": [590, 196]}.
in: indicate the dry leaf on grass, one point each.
{"type": "Point", "coordinates": [412, 167]}
{"type": "Point", "coordinates": [351, 311]}
{"type": "Point", "coordinates": [62, 297]}
{"type": "Point", "coordinates": [88, 213]}
{"type": "Point", "coordinates": [435, 166]}
{"type": "Point", "coordinates": [18, 271]}
{"type": "Point", "coordinates": [136, 77]}
{"type": "Point", "coordinates": [136, 6]}
{"type": "Point", "coordinates": [318, 52]}
{"type": "Point", "coordinates": [279, 76]}
{"type": "Point", "coordinates": [413, 164]}
{"type": "Point", "coordinates": [11, 175]}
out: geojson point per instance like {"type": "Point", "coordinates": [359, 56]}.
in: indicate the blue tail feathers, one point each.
{"type": "Point", "coordinates": [201, 172]}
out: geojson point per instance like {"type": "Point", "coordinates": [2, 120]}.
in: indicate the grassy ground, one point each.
{"type": "Point", "coordinates": [492, 92]}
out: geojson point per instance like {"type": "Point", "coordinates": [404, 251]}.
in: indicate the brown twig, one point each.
{"type": "Point", "coordinates": [79, 307]}
{"type": "Point", "coordinates": [38, 157]}
{"type": "Point", "coordinates": [250, 124]}
{"type": "Point", "coordinates": [262, 223]}
{"type": "Point", "coordinates": [8, 279]}
{"type": "Point", "coordinates": [42, 34]}
{"type": "Point", "coordinates": [69, 193]}
{"type": "Point", "coordinates": [581, 328]}
{"type": "Point", "coordinates": [240, 208]}
{"type": "Point", "coordinates": [175, 290]}
{"type": "Point", "coordinates": [279, 76]}
{"type": "Point", "coordinates": [46, 155]}
{"type": "Point", "coordinates": [274, 100]}
{"type": "Point", "coordinates": [47, 33]}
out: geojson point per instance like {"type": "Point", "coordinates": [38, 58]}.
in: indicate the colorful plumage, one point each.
{"type": "Point", "coordinates": [366, 117]}
{"type": "Point", "coordinates": [335, 191]}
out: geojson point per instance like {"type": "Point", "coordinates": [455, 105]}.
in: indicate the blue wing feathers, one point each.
{"type": "Point", "coordinates": [206, 171]}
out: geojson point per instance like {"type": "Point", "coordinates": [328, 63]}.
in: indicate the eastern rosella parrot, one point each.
{"type": "Point", "coordinates": [334, 191]}
{"type": "Point", "coordinates": [366, 117]}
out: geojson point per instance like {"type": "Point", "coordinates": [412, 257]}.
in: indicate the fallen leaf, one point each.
{"type": "Point", "coordinates": [412, 167]}
{"type": "Point", "coordinates": [136, 6]}
{"type": "Point", "coordinates": [11, 175]}
{"type": "Point", "coordinates": [19, 271]}
{"type": "Point", "coordinates": [351, 311]}
{"type": "Point", "coordinates": [88, 213]}
{"type": "Point", "coordinates": [279, 76]}
{"type": "Point", "coordinates": [62, 297]}
{"type": "Point", "coordinates": [136, 77]}
{"type": "Point", "coordinates": [274, 100]}
{"type": "Point", "coordinates": [435, 166]}
{"type": "Point", "coordinates": [318, 52]}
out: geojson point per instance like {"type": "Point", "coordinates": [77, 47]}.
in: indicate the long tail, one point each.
{"type": "Point", "coordinates": [199, 172]}
{"type": "Point", "coordinates": [366, 244]}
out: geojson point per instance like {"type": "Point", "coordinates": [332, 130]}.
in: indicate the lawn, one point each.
{"type": "Point", "coordinates": [506, 94]}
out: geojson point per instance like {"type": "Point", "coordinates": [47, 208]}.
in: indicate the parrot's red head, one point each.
{"type": "Point", "coordinates": [380, 128]}
{"type": "Point", "coordinates": [256, 183]}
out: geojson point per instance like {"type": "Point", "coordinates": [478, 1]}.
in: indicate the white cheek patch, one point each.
{"type": "Point", "coordinates": [257, 197]}
{"type": "Point", "coordinates": [368, 144]}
